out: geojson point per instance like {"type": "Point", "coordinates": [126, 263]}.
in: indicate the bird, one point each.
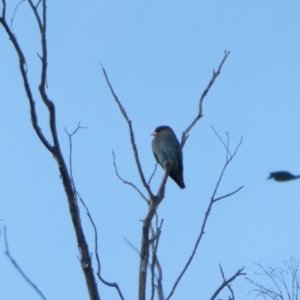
{"type": "Point", "coordinates": [283, 176]}
{"type": "Point", "coordinates": [164, 147]}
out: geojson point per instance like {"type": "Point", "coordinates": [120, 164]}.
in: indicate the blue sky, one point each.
{"type": "Point", "coordinates": [159, 56]}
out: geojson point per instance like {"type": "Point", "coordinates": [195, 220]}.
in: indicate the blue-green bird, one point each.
{"type": "Point", "coordinates": [164, 147]}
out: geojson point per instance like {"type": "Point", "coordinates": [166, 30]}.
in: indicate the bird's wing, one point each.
{"type": "Point", "coordinates": [156, 158]}
{"type": "Point", "coordinates": [170, 148]}
{"type": "Point", "coordinates": [180, 161]}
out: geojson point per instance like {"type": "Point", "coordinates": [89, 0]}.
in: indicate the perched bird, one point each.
{"type": "Point", "coordinates": [164, 147]}
{"type": "Point", "coordinates": [283, 176]}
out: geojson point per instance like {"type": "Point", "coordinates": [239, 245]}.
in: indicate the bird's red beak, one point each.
{"type": "Point", "coordinates": [154, 133]}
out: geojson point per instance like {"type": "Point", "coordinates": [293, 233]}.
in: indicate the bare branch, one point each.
{"type": "Point", "coordinates": [115, 285]}
{"type": "Point", "coordinates": [156, 236]}
{"type": "Point", "coordinates": [159, 277]}
{"type": "Point", "coordinates": [3, 11]}
{"type": "Point", "coordinates": [134, 148]}
{"type": "Point", "coordinates": [15, 264]}
{"type": "Point", "coordinates": [86, 262]}
{"type": "Point", "coordinates": [211, 82]}
{"type": "Point", "coordinates": [75, 130]}
{"type": "Point", "coordinates": [161, 190]}
{"type": "Point", "coordinates": [157, 264]}
{"type": "Point", "coordinates": [207, 213]}
{"type": "Point", "coordinates": [228, 285]}
{"type": "Point", "coordinates": [37, 16]}
{"type": "Point", "coordinates": [228, 160]}
{"type": "Point", "coordinates": [70, 135]}
{"type": "Point", "coordinates": [159, 287]}
{"type": "Point", "coordinates": [37, 5]}
{"type": "Point", "coordinates": [111, 284]}
{"type": "Point", "coordinates": [226, 282]}
{"type": "Point", "coordinates": [221, 140]}
{"type": "Point", "coordinates": [156, 200]}
{"type": "Point", "coordinates": [228, 195]}
{"type": "Point", "coordinates": [23, 70]}
{"type": "Point", "coordinates": [155, 168]}
{"type": "Point", "coordinates": [15, 11]}
{"type": "Point", "coordinates": [125, 181]}
{"type": "Point", "coordinates": [278, 276]}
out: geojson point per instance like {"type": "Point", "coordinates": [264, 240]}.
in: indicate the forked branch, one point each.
{"type": "Point", "coordinates": [226, 282]}
{"type": "Point", "coordinates": [132, 139]}
{"type": "Point", "coordinates": [154, 201]}
{"type": "Point", "coordinates": [125, 181]}
{"type": "Point", "coordinates": [110, 284]}
{"type": "Point", "coordinates": [206, 215]}
{"type": "Point", "coordinates": [285, 283]}
{"type": "Point", "coordinates": [54, 145]}
{"type": "Point", "coordinates": [21, 272]}
{"type": "Point", "coordinates": [205, 92]}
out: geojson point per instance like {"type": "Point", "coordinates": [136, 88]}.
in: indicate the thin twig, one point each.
{"type": "Point", "coordinates": [53, 146]}
{"type": "Point", "coordinates": [156, 200]}
{"type": "Point", "coordinates": [115, 285]}
{"type": "Point", "coordinates": [154, 255]}
{"type": "Point", "coordinates": [15, 11]}
{"type": "Point", "coordinates": [159, 288]}
{"type": "Point", "coordinates": [111, 284]}
{"type": "Point", "coordinates": [15, 264]}
{"type": "Point", "coordinates": [227, 195]}
{"type": "Point", "coordinates": [203, 226]}
{"type": "Point", "coordinates": [132, 246]}
{"type": "Point", "coordinates": [23, 70]}
{"type": "Point", "coordinates": [226, 283]}
{"type": "Point", "coordinates": [132, 139]}
{"type": "Point", "coordinates": [278, 277]}
{"type": "Point", "coordinates": [184, 136]}
{"type": "Point", "coordinates": [205, 92]}
{"type": "Point", "coordinates": [227, 152]}
{"type": "Point", "coordinates": [155, 168]}
{"type": "Point", "coordinates": [3, 10]}
{"type": "Point", "coordinates": [70, 135]}
{"type": "Point", "coordinates": [221, 140]}
{"type": "Point", "coordinates": [222, 173]}
{"type": "Point", "coordinates": [125, 181]}
{"type": "Point", "coordinates": [159, 277]}
{"type": "Point", "coordinates": [153, 262]}
{"type": "Point", "coordinates": [37, 5]}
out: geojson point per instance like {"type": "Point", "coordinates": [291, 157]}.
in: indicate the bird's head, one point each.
{"type": "Point", "coordinates": [162, 128]}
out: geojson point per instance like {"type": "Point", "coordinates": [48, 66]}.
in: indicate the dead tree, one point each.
{"type": "Point", "coordinates": [39, 11]}
{"type": "Point", "coordinates": [281, 283]}
{"type": "Point", "coordinates": [151, 228]}
{"type": "Point", "coordinates": [150, 232]}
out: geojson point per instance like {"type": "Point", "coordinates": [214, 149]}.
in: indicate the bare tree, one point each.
{"type": "Point", "coordinates": [151, 228]}
{"type": "Point", "coordinates": [285, 283]}
{"type": "Point", "coordinates": [150, 236]}
{"type": "Point", "coordinates": [39, 11]}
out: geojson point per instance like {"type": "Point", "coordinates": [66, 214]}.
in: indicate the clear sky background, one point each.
{"type": "Point", "coordinates": [159, 56]}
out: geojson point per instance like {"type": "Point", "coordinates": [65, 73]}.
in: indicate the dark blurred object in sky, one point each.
{"type": "Point", "coordinates": [283, 176]}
